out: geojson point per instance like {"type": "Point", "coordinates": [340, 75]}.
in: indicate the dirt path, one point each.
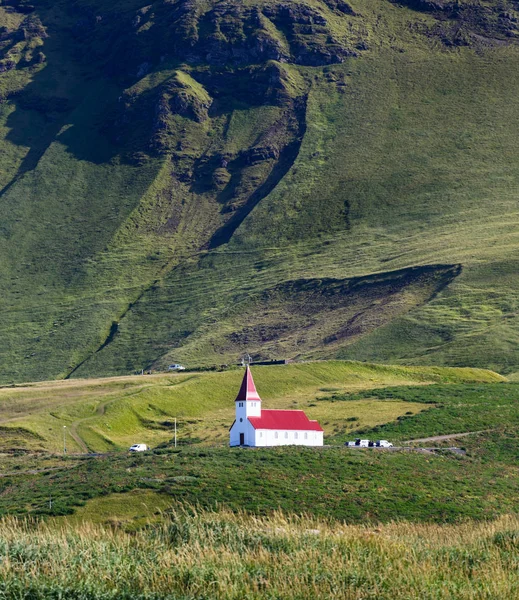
{"type": "Point", "coordinates": [72, 431]}
{"type": "Point", "coordinates": [100, 411]}
{"type": "Point", "coordinates": [439, 438]}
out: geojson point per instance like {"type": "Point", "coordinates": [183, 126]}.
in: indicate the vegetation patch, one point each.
{"type": "Point", "coordinates": [179, 178]}
{"type": "Point", "coordinates": [453, 409]}
{"type": "Point", "coordinates": [334, 482]}
{"type": "Point", "coordinates": [224, 556]}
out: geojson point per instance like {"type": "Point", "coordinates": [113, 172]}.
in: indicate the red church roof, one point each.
{"type": "Point", "coordinates": [248, 389]}
{"type": "Point", "coordinates": [287, 420]}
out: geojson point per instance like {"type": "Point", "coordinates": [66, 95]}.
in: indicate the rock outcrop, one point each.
{"type": "Point", "coordinates": [469, 23]}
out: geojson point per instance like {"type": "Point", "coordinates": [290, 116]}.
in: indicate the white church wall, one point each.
{"type": "Point", "coordinates": [244, 427]}
{"type": "Point", "coordinates": [271, 437]}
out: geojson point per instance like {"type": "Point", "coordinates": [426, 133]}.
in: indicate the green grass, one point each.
{"type": "Point", "coordinates": [114, 413]}
{"type": "Point", "coordinates": [453, 409]}
{"type": "Point", "coordinates": [333, 482]}
{"type": "Point", "coordinates": [408, 157]}
{"type": "Point", "coordinates": [218, 555]}
{"type": "Point", "coordinates": [336, 483]}
{"type": "Point", "coordinates": [135, 509]}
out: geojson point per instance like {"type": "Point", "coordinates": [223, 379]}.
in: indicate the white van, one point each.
{"type": "Point", "coordinates": [358, 443]}
{"type": "Point", "coordinates": [138, 448]}
{"type": "Point", "coordinates": [384, 444]}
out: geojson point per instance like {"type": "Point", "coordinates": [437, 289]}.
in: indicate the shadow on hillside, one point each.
{"type": "Point", "coordinates": [65, 101]}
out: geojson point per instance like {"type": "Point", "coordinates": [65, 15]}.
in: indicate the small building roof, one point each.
{"type": "Point", "coordinates": [286, 420]}
{"type": "Point", "coordinates": [247, 389]}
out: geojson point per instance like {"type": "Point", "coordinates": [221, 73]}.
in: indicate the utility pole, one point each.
{"type": "Point", "coordinates": [175, 432]}
{"type": "Point", "coordinates": [64, 439]}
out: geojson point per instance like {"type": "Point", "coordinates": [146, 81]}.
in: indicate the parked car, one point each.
{"type": "Point", "coordinates": [176, 368]}
{"type": "Point", "coordinates": [138, 448]}
{"type": "Point", "coordinates": [383, 444]}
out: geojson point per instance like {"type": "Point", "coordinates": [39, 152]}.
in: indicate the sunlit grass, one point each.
{"type": "Point", "coordinates": [133, 509]}
{"type": "Point", "coordinates": [219, 555]}
{"type": "Point", "coordinates": [113, 413]}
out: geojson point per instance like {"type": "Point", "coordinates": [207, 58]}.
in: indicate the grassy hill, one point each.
{"type": "Point", "coordinates": [188, 181]}
{"type": "Point", "coordinates": [354, 485]}
{"type": "Point", "coordinates": [223, 519]}
{"type": "Point", "coordinates": [114, 413]}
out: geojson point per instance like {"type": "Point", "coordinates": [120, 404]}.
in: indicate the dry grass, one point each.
{"type": "Point", "coordinates": [220, 555]}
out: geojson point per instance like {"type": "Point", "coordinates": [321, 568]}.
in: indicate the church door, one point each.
{"type": "Point", "coordinates": [242, 439]}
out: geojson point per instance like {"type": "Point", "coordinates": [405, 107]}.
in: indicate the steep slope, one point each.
{"type": "Point", "coordinates": [192, 180]}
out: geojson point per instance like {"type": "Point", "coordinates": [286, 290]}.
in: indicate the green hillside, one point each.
{"type": "Point", "coordinates": [365, 485]}
{"type": "Point", "coordinates": [188, 181]}
{"type": "Point", "coordinates": [98, 415]}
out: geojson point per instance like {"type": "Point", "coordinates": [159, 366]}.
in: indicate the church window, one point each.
{"type": "Point", "coordinates": [286, 434]}
{"type": "Point", "coordinates": [295, 435]}
{"type": "Point", "coordinates": [306, 435]}
{"type": "Point", "coordinates": [276, 435]}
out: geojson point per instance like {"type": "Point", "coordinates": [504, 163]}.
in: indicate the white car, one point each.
{"type": "Point", "coordinates": [176, 368]}
{"type": "Point", "coordinates": [383, 444]}
{"type": "Point", "coordinates": [138, 448]}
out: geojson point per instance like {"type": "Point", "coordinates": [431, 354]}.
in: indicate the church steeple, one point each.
{"type": "Point", "coordinates": [248, 402]}
{"type": "Point", "coordinates": [248, 389]}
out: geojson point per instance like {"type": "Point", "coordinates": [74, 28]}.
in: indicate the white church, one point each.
{"type": "Point", "coordinates": [256, 427]}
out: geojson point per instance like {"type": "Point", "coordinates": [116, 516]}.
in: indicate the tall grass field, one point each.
{"type": "Point", "coordinates": [197, 555]}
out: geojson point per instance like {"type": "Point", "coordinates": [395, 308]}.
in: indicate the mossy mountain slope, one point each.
{"type": "Point", "coordinates": [188, 181]}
